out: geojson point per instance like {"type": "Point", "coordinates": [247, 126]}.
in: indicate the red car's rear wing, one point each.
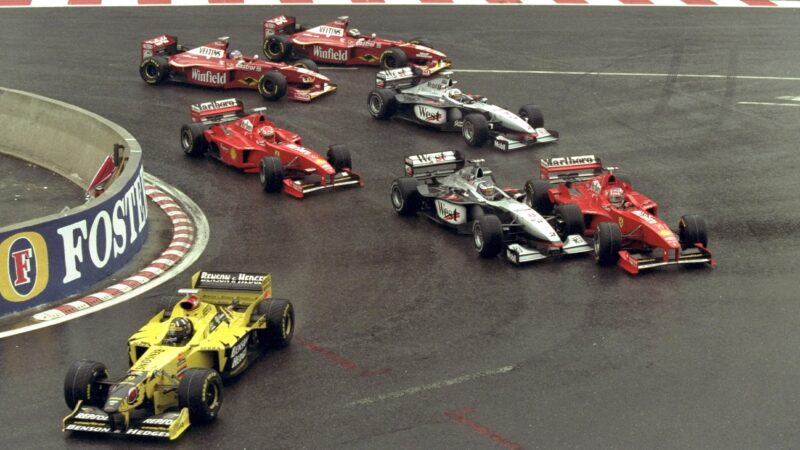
{"type": "Point", "coordinates": [570, 168]}
{"type": "Point", "coordinates": [280, 24]}
{"type": "Point", "coordinates": [158, 46]}
{"type": "Point", "coordinates": [429, 165]}
{"type": "Point", "coordinates": [219, 111]}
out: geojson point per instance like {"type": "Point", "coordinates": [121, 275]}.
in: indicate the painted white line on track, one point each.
{"type": "Point", "coordinates": [768, 104]}
{"type": "Point", "coordinates": [431, 386]}
{"type": "Point", "coordinates": [201, 236]}
{"type": "Point", "coordinates": [627, 74]}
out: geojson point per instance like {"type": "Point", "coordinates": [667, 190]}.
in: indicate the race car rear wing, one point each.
{"type": "Point", "coordinates": [220, 111]}
{"type": "Point", "coordinates": [570, 168]}
{"type": "Point", "coordinates": [280, 24]}
{"type": "Point", "coordinates": [159, 46]}
{"type": "Point", "coordinates": [225, 286]}
{"type": "Point", "coordinates": [396, 78]}
{"type": "Point", "coordinates": [431, 165]}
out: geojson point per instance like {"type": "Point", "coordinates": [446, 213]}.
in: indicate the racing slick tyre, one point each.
{"type": "Point", "coordinates": [475, 129]}
{"type": "Point", "coordinates": [421, 41]}
{"type": "Point", "coordinates": [339, 157]}
{"type": "Point", "coordinates": [569, 220]}
{"type": "Point", "coordinates": [532, 114]}
{"type": "Point", "coordinates": [536, 196]}
{"type": "Point", "coordinates": [607, 243]}
{"type": "Point", "coordinates": [200, 390]}
{"type": "Point", "coordinates": [406, 199]}
{"type": "Point", "coordinates": [394, 58]}
{"type": "Point", "coordinates": [487, 231]}
{"type": "Point", "coordinates": [381, 103]}
{"type": "Point", "coordinates": [692, 230]}
{"type": "Point", "coordinates": [277, 47]}
{"type": "Point", "coordinates": [83, 382]}
{"type": "Point", "coordinates": [306, 63]}
{"type": "Point", "coordinates": [280, 323]}
{"type": "Point", "coordinates": [270, 174]}
{"type": "Point", "coordinates": [154, 69]}
{"type": "Point", "coordinates": [193, 142]}
{"type": "Point", "coordinates": [272, 85]}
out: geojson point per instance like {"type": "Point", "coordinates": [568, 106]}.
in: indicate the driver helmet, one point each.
{"type": "Point", "coordinates": [180, 331]}
{"type": "Point", "coordinates": [268, 132]}
{"type": "Point", "coordinates": [616, 196]}
{"type": "Point", "coordinates": [354, 32]}
{"type": "Point", "coordinates": [455, 94]}
{"type": "Point", "coordinates": [487, 190]}
{"type": "Point", "coordinates": [236, 54]}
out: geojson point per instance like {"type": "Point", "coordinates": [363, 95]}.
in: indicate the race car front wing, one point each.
{"type": "Point", "coordinates": [91, 419]}
{"type": "Point", "coordinates": [635, 262]}
{"type": "Point", "coordinates": [573, 244]}
{"type": "Point", "coordinates": [299, 188]}
{"type": "Point", "coordinates": [511, 142]}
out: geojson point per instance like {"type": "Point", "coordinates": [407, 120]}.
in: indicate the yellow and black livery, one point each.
{"type": "Point", "coordinates": [179, 359]}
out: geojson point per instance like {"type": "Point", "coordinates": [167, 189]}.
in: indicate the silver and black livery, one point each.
{"type": "Point", "coordinates": [435, 102]}
{"type": "Point", "coordinates": [463, 195]}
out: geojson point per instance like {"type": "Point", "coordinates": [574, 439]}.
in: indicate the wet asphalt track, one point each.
{"type": "Point", "coordinates": [401, 313]}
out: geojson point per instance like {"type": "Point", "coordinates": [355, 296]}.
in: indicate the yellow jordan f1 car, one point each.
{"type": "Point", "coordinates": [180, 358]}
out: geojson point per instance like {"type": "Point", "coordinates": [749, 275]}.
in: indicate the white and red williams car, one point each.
{"type": "Point", "coordinates": [337, 43]}
{"type": "Point", "coordinates": [211, 65]}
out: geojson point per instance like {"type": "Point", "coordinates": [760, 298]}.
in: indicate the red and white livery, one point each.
{"type": "Point", "coordinates": [337, 43]}
{"type": "Point", "coordinates": [212, 65]}
{"type": "Point", "coordinates": [624, 223]}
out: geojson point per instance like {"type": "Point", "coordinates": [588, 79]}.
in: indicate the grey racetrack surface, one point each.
{"type": "Point", "coordinates": [669, 359]}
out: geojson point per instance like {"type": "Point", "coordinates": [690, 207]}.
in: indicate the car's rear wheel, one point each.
{"type": "Point", "coordinates": [270, 174]}
{"type": "Point", "coordinates": [339, 157]}
{"type": "Point", "coordinates": [381, 103]}
{"type": "Point", "coordinates": [538, 197]}
{"type": "Point", "coordinates": [83, 382]}
{"type": "Point", "coordinates": [607, 243]}
{"type": "Point", "coordinates": [193, 142]}
{"type": "Point", "coordinates": [272, 85]}
{"type": "Point", "coordinates": [280, 323]}
{"type": "Point", "coordinates": [393, 58]}
{"type": "Point", "coordinates": [569, 220]}
{"type": "Point", "coordinates": [487, 233]}
{"type": "Point", "coordinates": [154, 69]}
{"type": "Point", "coordinates": [406, 199]}
{"type": "Point", "coordinates": [200, 390]}
{"type": "Point", "coordinates": [533, 115]}
{"type": "Point", "coordinates": [277, 47]}
{"type": "Point", "coordinates": [475, 129]}
{"type": "Point", "coordinates": [692, 230]}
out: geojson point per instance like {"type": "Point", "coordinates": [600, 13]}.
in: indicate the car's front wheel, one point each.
{"type": "Point", "coordinates": [692, 230]}
{"type": "Point", "coordinates": [270, 174]}
{"type": "Point", "coordinates": [607, 243]}
{"type": "Point", "coordinates": [394, 58]}
{"type": "Point", "coordinates": [200, 390]}
{"type": "Point", "coordinates": [569, 220]}
{"type": "Point", "coordinates": [272, 85]}
{"type": "Point", "coordinates": [83, 382]}
{"type": "Point", "coordinates": [487, 232]}
{"type": "Point", "coordinates": [339, 157]}
{"type": "Point", "coordinates": [475, 129]}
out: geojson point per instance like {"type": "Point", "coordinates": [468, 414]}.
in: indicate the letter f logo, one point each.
{"type": "Point", "coordinates": [22, 266]}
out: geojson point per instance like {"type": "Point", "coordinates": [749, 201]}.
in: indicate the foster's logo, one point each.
{"type": "Point", "coordinates": [25, 273]}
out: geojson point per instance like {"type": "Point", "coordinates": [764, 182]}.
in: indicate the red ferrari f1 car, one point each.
{"type": "Point", "coordinates": [624, 223]}
{"type": "Point", "coordinates": [212, 65]}
{"type": "Point", "coordinates": [336, 43]}
{"type": "Point", "coordinates": [251, 142]}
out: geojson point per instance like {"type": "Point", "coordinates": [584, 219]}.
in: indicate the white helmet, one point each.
{"type": "Point", "coordinates": [354, 32]}
{"type": "Point", "coordinates": [487, 189]}
{"type": "Point", "coordinates": [455, 94]}
{"type": "Point", "coordinates": [236, 54]}
{"type": "Point", "coordinates": [616, 196]}
{"type": "Point", "coordinates": [267, 132]}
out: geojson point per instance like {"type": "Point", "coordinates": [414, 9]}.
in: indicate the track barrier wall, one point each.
{"type": "Point", "coordinates": [52, 258]}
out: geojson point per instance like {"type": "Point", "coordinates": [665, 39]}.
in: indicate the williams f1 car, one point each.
{"type": "Point", "coordinates": [435, 102]}
{"type": "Point", "coordinates": [251, 142]}
{"type": "Point", "coordinates": [465, 197]}
{"type": "Point", "coordinates": [212, 65]}
{"type": "Point", "coordinates": [336, 43]}
{"type": "Point", "coordinates": [179, 358]}
{"type": "Point", "coordinates": [624, 223]}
